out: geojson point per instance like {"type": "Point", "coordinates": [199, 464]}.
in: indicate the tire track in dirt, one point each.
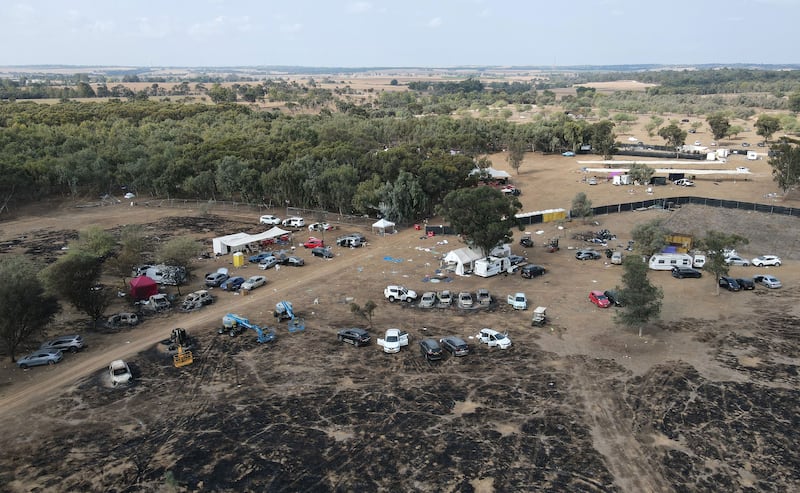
{"type": "Point", "coordinates": [609, 419]}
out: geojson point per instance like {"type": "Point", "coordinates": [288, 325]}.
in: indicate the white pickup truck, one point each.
{"type": "Point", "coordinates": [393, 340]}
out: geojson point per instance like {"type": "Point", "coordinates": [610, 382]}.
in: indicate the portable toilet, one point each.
{"type": "Point", "coordinates": [752, 155]}
{"type": "Point", "coordinates": [238, 259]}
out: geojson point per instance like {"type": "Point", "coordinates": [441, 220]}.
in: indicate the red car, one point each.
{"type": "Point", "coordinates": [599, 299]}
{"type": "Point", "coordinates": [313, 243]}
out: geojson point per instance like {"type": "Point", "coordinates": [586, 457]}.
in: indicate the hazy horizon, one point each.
{"type": "Point", "coordinates": [415, 33]}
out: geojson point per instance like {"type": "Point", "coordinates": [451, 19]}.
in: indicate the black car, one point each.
{"type": "Point", "coordinates": [355, 336]}
{"type": "Point", "coordinates": [613, 297]}
{"type": "Point", "coordinates": [530, 271]}
{"type": "Point", "coordinates": [729, 283]}
{"type": "Point", "coordinates": [322, 252]}
{"type": "Point", "coordinates": [293, 261]}
{"type": "Point", "coordinates": [430, 349]}
{"type": "Point", "coordinates": [455, 345]}
{"type": "Point", "coordinates": [516, 259]}
{"type": "Point", "coordinates": [681, 272]}
{"type": "Point", "coordinates": [526, 241]}
{"type": "Point", "coordinates": [746, 284]}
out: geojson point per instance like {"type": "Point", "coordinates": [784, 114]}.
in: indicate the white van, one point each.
{"type": "Point", "coordinates": [666, 261]}
{"type": "Point", "coordinates": [698, 261]}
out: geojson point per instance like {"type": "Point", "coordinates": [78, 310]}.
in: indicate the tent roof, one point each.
{"type": "Point", "coordinates": [496, 173]}
{"type": "Point", "coordinates": [240, 239]}
{"type": "Point", "coordinates": [463, 255]}
{"type": "Point", "coordinates": [142, 281]}
{"type": "Point", "coordinates": [383, 223]}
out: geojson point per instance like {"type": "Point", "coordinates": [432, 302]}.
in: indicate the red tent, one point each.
{"type": "Point", "coordinates": [143, 287]}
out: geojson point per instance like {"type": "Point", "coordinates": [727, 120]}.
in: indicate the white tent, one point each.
{"type": "Point", "coordinates": [239, 241]}
{"type": "Point", "coordinates": [462, 260]}
{"type": "Point", "coordinates": [383, 226]}
{"type": "Point", "coordinates": [496, 174]}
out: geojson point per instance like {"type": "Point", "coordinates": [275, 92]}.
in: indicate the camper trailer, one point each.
{"type": "Point", "coordinates": [666, 261]}
{"type": "Point", "coordinates": [491, 266]}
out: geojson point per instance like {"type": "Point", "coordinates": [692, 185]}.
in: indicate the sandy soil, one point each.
{"type": "Point", "coordinates": [580, 404]}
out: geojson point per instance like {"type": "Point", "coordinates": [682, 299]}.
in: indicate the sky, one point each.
{"type": "Point", "coordinates": [399, 33]}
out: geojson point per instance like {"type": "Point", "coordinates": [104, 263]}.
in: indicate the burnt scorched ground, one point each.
{"type": "Point", "coordinates": [249, 418]}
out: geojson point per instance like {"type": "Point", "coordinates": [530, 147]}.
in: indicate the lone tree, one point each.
{"type": "Point", "coordinates": [581, 207]}
{"type": "Point", "coordinates": [715, 243]}
{"type": "Point", "coordinates": [25, 308]}
{"type": "Point", "coordinates": [767, 125]}
{"type": "Point", "coordinates": [641, 172]}
{"type": "Point", "coordinates": [366, 311]}
{"type": "Point", "coordinates": [719, 125]}
{"type": "Point", "coordinates": [75, 278]}
{"type": "Point", "coordinates": [785, 163]}
{"type": "Point", "coordinates": [516, 152]}
{"type": "Point", "coordinates": [673, 134]}
{"type": "Point", "coordinates": [649, 237]}
{"type": "Point", "coordinates": [641, 300]}
{"type": "Point", "coordinates": [482, 215]}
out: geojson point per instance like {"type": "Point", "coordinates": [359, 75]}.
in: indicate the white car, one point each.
{"type": "Point", "coordinates": [254, 282]}
{"type": "Point", "coordinates": [393, 340]}
{"type": "Point", "coordinates": [394, 293]}
{"type": "Point", "coordinates": [294, 222]}
{"type": "Point", "coordinates": [120, 372]}
{"type": "Point", "coordinates": [320, 227]}
{"type": "Point", "coordinates": [518, 301]}
{"type": "Point", "coordinates": [683, 182]}
{"type": "Point", "coordinates": [494, 338]}
{"type": "Point", "coordinates": [269, 219]}
{"type": "Point", "coordinates": [736, 260]}
{"type": "Point", "coordinates": [765, 260]}
{"type": "Point", "coordinates": [465, 299]}
{"type": "Point", "coordinates": [428, 300]}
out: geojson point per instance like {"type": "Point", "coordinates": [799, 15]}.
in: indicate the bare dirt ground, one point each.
{"type": "Point", "coordinates": [706, 400]}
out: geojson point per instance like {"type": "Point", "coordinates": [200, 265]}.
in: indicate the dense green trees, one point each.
{"type": "Point", "coordinates": [75, 278]}
{"type": "Point", "coordinates": [25, 308]}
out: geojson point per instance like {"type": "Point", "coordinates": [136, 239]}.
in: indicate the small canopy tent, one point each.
{"type": "Point", "coordinates": [383, 226]}
{"type": "Point", "coordinates": [143, 287]}
{"type": "Point", "coordinates": [462, 260]}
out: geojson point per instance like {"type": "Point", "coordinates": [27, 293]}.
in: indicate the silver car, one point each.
{"type": "Point", "coordinates": [72, 343]}
{"type": "Point", "coordinates": [40, 357]}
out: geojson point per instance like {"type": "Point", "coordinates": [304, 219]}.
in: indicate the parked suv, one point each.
{"type": "Point", "coordinates": [455, 345]}
{"type": "Point", "coordinates": [430, 349]}
{"type": "Point", "coordinates": [72, 343]}
{"type": "Point", "coordinates": [394, 293]}
{"type": "Point", "coordinates": [767, 260]}
{"type": "Point", "coordinates": [294, 222]}
{"type": "Point", "coordinates": [355, 336]}
{"type": "Point", "coordinates": [268, 219]}
{"type": "Point", "coordinates": [353, 240]}
{"type": "Point", "coordinates": [531, 270]}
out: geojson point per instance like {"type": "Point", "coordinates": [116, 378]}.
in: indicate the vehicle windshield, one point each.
{"type": "Point", "coordinates": [601, 297]}
{"type": "Point", "coordinates": [120, 371]}
{"type": "Point", "coordinates": [391, 338]}
{"type": "Point", "coordinates": [499, 337]}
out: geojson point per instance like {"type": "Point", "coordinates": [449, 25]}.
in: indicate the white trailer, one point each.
{"type": "Point", "coordinates": [752, 155]}
{"type": "Point", "coordinates": [491, 266]}
{"type": "Point", "coordinates": [666, 261]}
